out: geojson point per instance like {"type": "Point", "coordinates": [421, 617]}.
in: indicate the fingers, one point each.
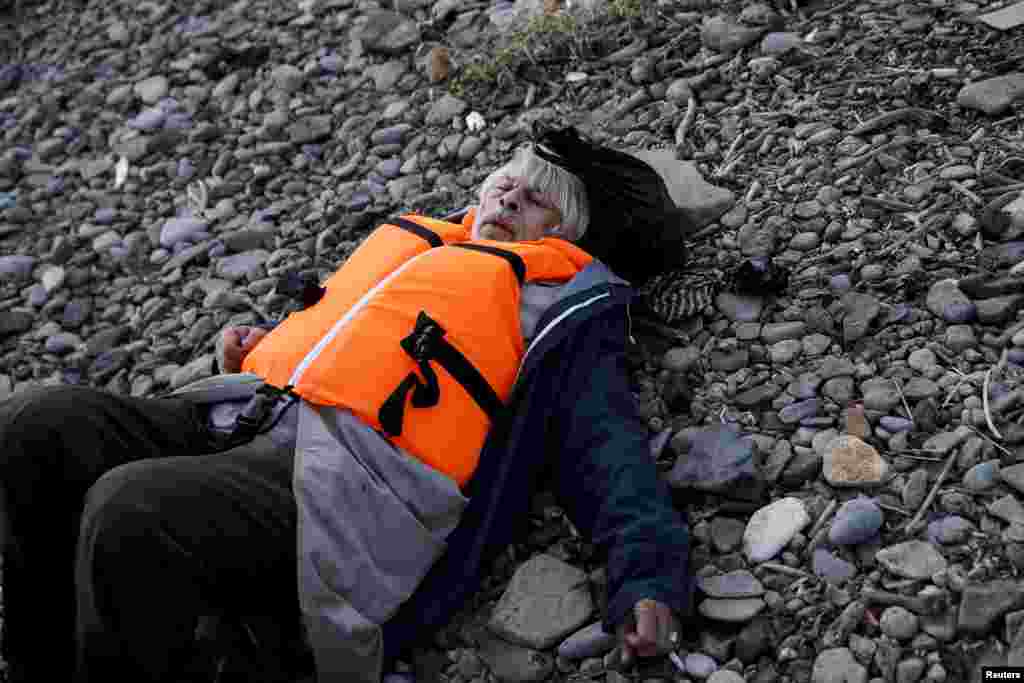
{"type": "Point", "coordinates": [653, 628]}
{"type": "Point", "coordinates": [252, 338]}
{"type": "Point", "coordinates": [230, 353]}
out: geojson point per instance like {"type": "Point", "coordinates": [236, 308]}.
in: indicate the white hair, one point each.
{"type": "Point", "coordinates": [566, 189]}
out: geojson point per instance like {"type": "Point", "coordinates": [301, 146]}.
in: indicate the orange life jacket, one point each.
{"type": "Point", "coordinates": [417, 314]}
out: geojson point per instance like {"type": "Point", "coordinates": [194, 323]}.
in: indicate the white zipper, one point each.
{"type": "Point", "coordinates": [629, 325]}
{"type": "Point", "coordinates": [344, 320]}
{"type": "Point", "coordinates": [567, 312]}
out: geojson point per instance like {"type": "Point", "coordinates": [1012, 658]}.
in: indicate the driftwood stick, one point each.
{"type": "Point", "coordinates": [892, 508]}
{"type": "Point", "coordinates": [823, 517]}
{"type": "Point", "coordinates": [988, 412]}
{"type": "Point", "coordinates": [687, 122]}
{"type": "Point", "coordinates": [899, 390]}
{"type": "Point", "coordinates": [989, 439]}
{"type": "Point", "coordinates": [783, 569]}
{"type": "Point", "coordinates": [913, 524]}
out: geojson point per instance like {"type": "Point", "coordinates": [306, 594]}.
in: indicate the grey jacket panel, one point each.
{"type": "Point", "coordinates": [372, 521]}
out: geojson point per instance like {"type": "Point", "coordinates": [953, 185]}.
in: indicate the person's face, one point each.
{"type": "Point", "coordinates": [511, 211]}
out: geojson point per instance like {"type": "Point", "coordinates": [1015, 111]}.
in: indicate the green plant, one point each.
{"type": "Point", "coordinates": [625, 9]}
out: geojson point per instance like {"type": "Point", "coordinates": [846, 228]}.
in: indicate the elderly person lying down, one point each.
{"type": "Point", "coordinates": [359, 466]}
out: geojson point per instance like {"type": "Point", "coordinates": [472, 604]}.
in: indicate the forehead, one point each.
{"type": "Point", "coordinates": [538, 177]}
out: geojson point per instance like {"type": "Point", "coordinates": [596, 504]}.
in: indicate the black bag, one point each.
{"type": "Point", "coordinates": [635, 227]}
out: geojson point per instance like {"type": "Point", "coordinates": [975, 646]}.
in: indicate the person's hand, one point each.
{"type": "Point", "coordinates": [234, 345]}
{"type": "Point", "coordinates": [651, 629]}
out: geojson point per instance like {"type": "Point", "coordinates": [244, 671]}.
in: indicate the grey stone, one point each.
{"type": "Point", "coordinates": [392, 135]}
{"type": "Point", "coordinates": [16, 268]}
{"type": "Point", "coordinates": [732, 611]}
{"type": "Point", "coordinates": [899, 623]}
{"type": "Point", "coordinates": [722, 35]}
{"type": "Point", "coordinates": [832, 366]}
{"type": "Point", "coordinates": [511, 663]}
{"type": "Point", "coordinates": [999, 309]}
{"type": "Point", "coordinates": [949, 530]}
{"type": "Point", "coordinates": [725, 676]}
{"type": "Point", "coordinates": [76, 312]}
{"type": "Point", "coordinates": [310, 129]}
{"type": "Point", "coordinates": [739, 308]}
{"type": "Point", "coordinates": [772, 333]}
{"type": "Point", "coordinates": [918, 388]}
{"type": "Point", "coordinates": [753, 641]}
{"type": "Point", "coordinates": [785, 352]}
{"type": "Point", "coordinates": [1007, 508]}
{"type": "Point", "coordinates": [911, 559]}
{"type": "Point", "coordinates": [445, 109]}
{"type": "Point", "coordinates": [545, 601]}
{"type": "Point", "coordinates": [385, 76]}
{"type": "Point", "coordinates": [14, 322]}
{"type": "Point", "coordinates": [288, 78]}
{"type": "Point", "coordinates": [681, 359]}
{"type": "Point", "coordinates": [729, 361]}
{"type": "Point", "coordinates": [177, 230]}
{"type": "Point", "coordinates": [758, 240]}
{"type": "Point", "coordinates": [861, 310]}
{"type": "Point", "coordinates": [389, 32]}
{"type": "Point", "coordinates": [894, 424]}
{"type": "Point", "coordinates": [838, 665]}
{"type": "Point", "coordinates": [992, 96]}
{"type": "Point", "coordinates": [772, 527]}
{"type": "Point", "coordinates": [726, 534]}
{"type": "Point", "coordinates": [151, 90]}
{"type": "Point", "coordinates": [947, 302]}
{"type": "Point", "coordinates": [735, 584]}
{"type": "Point", "coordinates": [806, 466]}
{"type": "Point", "coordinates": [856, 521]}
{"type": "Point", "coordinates": [881, 396]}
{"type": "Point", "coordinates": [910, 670]}
{"type": "Point", "coordinates": [1001, 219]}
{"type": "Point", "coordinates": [699, 665]}
{"type": "Point", "coordinates": [944, 442]}
{"type": "Point", "coordinates": [712, 459]}
{"type": "Point", "coordinates": [198, 369]}
{"type": "Point", "coordinates": [915, 489]}
{"type": "Point", "coordinates": [589, 641]}
{"type": "Point", "coordinates": [983, 603]}
{"type": "Point", "coordinates": [1013, 476]}
{"type": "Point", "coordinates": [831, 568]}
{"type": "Point", "coordinates": [799, 410]}
{"type": "Point", "coordinates": [700, 201]}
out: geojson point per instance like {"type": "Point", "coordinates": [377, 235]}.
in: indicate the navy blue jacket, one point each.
{"type": "Point", "coordinates": [572, 425]}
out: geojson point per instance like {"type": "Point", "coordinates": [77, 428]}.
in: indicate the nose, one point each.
{"type": "Point", "coordinates": [511, 200]}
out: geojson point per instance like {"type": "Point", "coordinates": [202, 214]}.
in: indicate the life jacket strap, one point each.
{"type": "Point", "coordinates": [514, 259]}
{"type": "Point", "coordinates": [427, 343]}
{"type": "Point", "coordinates": [431, 237]}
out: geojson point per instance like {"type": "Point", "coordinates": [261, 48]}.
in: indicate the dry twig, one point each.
{"type": "Point", "coordinates": [989, 439]}
{"type": "Point", "coordinates": [899, 390]}
{"type": "Point", "coordinates": [892, 508]}
{"type": "Point", "coordinates": [913, 524]}
{"type": "Point", "coordinates": [783, 569]}
{"type": "Point", "coordinates": [984, 403]}
{"type": "Point", "coordinates": [959, 187]}
{"type": "Point", "coordinates": [687, 122]}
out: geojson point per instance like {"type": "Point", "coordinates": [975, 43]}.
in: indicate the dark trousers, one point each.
{"type": "Point", "coordinates": [122, 529]}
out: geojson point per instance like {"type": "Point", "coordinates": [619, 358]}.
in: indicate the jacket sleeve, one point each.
{"type": "Point", "coordinates": [608, 484]}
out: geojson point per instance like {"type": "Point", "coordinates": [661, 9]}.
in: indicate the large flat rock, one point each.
{"type": "Point", "coordinates": [699, 200]}
{"type": "Point", "coordinates": [545, 601]}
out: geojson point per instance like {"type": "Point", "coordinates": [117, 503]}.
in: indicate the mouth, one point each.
{"type": "Point", "coordinates": [501, 225]}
